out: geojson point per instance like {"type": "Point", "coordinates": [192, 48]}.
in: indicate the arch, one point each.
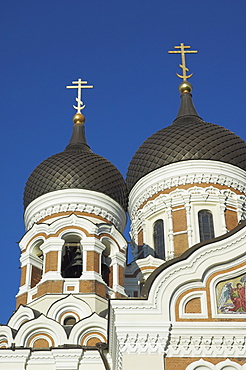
{"type": "Point", "coordinates": [91, 327]}
{"type": "Point", "coordinates": [40, 340]}
{"type": "Point", "coordinates": [206, 225]}
{"type": "Point", "coordinates": [108, 253]}
{"type": "Point", "coordinates": [91, 337]}
{"type": "Point", "coordinates": [69, 306]}
{"type": "Point", "coordinates": [40, 328]}
{"type": "Point", "coordinates": [35, 249]}
{"type": "Point", "coordinates": [159, 240]}
{"type": "Point", "coordinates": [6, 337]}
{"type": "Point", "coordinates": [72, 258]}
{"type": "Point", "coordinates": [20, 316]}
{"type": "Point", "coordinates": [200, 365]}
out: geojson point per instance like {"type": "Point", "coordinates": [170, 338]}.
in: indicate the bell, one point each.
{"type": "Point", "coordinates": [77, 259]}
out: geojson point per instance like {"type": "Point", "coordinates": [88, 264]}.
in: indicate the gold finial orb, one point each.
{"type": "Point", "coordinates": [78, 118]}
{"type": "Point", "coordinates": [185, 87]}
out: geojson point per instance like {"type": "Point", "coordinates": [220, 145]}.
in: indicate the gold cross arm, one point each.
{"type": "Point", "coordinates": [80, 84]}
{"type": "Point", "coordinates": [183, 50]}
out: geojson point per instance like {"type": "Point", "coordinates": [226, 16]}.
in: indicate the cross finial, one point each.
{"type": "Point", "coordinates": [79, 85]}
{"type": "Point", "coordinates": [183, 50]}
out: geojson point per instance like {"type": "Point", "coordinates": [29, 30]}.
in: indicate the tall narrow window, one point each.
{"type": "Point", "coordinates": [71, 264]}
{"type": "Point", "coordinates": [206, 225]}
{"type": "Point", "coordinates": [105, 270]}
{"type": "Point", "coordinates": [159, 243]}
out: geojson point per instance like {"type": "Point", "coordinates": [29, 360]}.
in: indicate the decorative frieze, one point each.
{"type": "Point", "coordinates": [207, 345]}
{"type": "Point", "coordinates": [75, 200]}
{"type": "Point", "coordinates": [182, 173]}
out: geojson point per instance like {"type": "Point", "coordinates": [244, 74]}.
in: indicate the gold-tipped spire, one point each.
{"type": "Point", "coordinates": [183, 50]}
{"type": "Point", "coordinates": [80, 84]}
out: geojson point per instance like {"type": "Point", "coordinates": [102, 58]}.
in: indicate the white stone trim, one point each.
{"type": "Point", "coordinates": [207, 339]}
{"type": "Point", "coordinates": [189, 296]}
{"type": "Point", "coordinates": [185, 172]}
{"type": "Point", "coordinates": [193, 199]}
{"type": "Point", "coordinates": [222, 365]}
{"type": "Point", "coordinates": [73, 200]}
{"type": "Point", "coordinates": [70, 303]}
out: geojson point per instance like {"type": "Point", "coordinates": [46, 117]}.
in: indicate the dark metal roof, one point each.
{"type": "Point", "coordinates": [189, 137]}
{"type": "Point", "coordinates": [77, 167]}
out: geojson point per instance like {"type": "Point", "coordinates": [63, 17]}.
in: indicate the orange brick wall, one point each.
{"type": "Point", "coordinates": [140, 238]}
{"type": "Point", "coordinates": [179, 220]}
{"type": "Point", "coordinates": [180, 244]}
{"type": "Point", "coordinates": [51, 261]}
{"type": "Point", "coordinates": [52, 286]}
{"type": "Point", "coordinates": [36, 276]}
{"type": "Point", "coordinates": [23, 276]}
{"type": "Point", "coordinates": [121, 275]}
{"type": "Point", "coordinates": [92, 286]}
{"type": "Point", "coordinates": [22, 299]}
{"type": "Point", "coordinates": [193, 306]}
{"type": "Point", "coordinates": [231, 219]}
{"type": "Point", "coordinates": [92, 261]}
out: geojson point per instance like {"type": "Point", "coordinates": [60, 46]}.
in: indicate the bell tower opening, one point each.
{"type": "Point", "coordinates": [72, 261]}
{"type": "Point", "coordinates": [105, 263]}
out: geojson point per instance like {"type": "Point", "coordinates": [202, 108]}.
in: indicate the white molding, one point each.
{"type": "Point", "coordinates": [193, 199]}
{"type": "Point", "coordinates": [73, 200]}
{"type": "Point", "coordinates": [207, 339]}
{"type": "Point", "coordinates": [67, 304]}
{"type": "Point", "coordinates": [189, 296]}
{"type": "Point", "coordinates": [185, 172]}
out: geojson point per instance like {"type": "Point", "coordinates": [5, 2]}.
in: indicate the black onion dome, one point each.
{"type": "Point", "coordinates": [77, 167]}
{"type": "Point", "coordinates": [188, 137]}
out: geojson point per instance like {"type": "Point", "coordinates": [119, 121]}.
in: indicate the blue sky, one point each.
{"type": "Point", "coordinates": [119, 46]}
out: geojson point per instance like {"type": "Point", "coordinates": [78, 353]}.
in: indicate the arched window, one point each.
{"type": "Point", "coordinates": [159, 242]}
{"type": "Point", "coordinates": [72, 262]}
{"type": "Point", "coordinates": [206, 225]}
{"type": "Point", "coordinates": [69, 320]}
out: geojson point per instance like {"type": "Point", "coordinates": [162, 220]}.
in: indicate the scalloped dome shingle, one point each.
{"type": "Point", "coordinates": [77, 167]}
{"type": "Point", "coordinates": [188, 138]}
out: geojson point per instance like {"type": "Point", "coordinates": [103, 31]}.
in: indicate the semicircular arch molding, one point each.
{"type": "Point", "coordinates": [21, 315]}
{"type": "Point", "coordinates": [6, 337]}
{"type": "Point", "coordinates": [41, 326]}
{"type": "Point", "coordinates": [76, 307]}
{"type": "Point", "coordinates": [92, 324]}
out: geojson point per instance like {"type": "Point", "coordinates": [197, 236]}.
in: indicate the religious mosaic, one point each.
{"type": "Point", "coordinates": [231, 297]}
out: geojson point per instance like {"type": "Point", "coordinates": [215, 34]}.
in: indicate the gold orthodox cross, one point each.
{"type": "Point", "coordinates": [79, 85]}
{"type": "Point", "coordinates": [183, 50]}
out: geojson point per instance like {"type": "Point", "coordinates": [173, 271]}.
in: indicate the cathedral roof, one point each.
{"type": "Point", "coordinates": [189, 137]}
{"type": "Point", "coordinates": [77, 167]}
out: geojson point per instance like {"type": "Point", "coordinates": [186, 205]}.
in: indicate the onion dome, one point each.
{"type": "Point", "coordinates": [77, 167]}
{"type": "Point", "coordinates": [189, 137]}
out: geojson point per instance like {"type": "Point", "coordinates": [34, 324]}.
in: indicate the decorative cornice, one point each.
{"type": "Point", "coordinates": [73, 200]}
{"type": "Point", "coordinates": [213, 345]}
{"type": "Point", "coordinates": [182, 173]}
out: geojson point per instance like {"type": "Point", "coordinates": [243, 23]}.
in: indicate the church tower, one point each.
{"type": "Point", "coordinates": [181, 302]}
{"type": "Point", "coordinates": [73, 252]}
{"type": "Point", "coordinates": [186, 185]}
